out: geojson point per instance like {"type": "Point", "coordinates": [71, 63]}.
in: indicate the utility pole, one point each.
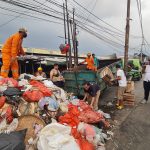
{"type": "Point", "coordinates": [70, 57]}
{"type": "Point", "coordinates": [74, 39]}
{"type": "Point", "coordinates": [65, 23]}
{"type": "Point", "coordinates": [65, 32]}
{"type": "Point", "coordinates": [127, 36]}
{"type": "Point", "coordinates": [76, 44]}
{"type": "Point", "coordinates": [72, 34]}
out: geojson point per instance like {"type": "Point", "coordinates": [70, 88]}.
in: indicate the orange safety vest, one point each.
{"type": "Point", "coordinates": [11, 48]}
{"type": "Point", "coordinates": [90, 63]}
{"type": "Point", "coordinates": [13, 45]}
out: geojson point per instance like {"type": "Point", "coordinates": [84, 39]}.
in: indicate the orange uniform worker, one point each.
{"type": "Point", "coordinates": [11, 49]}
{"type": "Point", "coordinates": [90, 62]}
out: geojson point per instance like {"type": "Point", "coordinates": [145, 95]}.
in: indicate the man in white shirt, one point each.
{"type": "Point", "coordinates": [146, 82]}
{"type": "Point", "coordinates": [122, 86]}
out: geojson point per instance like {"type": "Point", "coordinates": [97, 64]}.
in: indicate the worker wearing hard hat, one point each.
{"type": "Point", "coordinates": [11, 49]}
{"type": "Point", "coordinates": [40, 73]}
{"type": "Point", "coordinates": [90, 62]}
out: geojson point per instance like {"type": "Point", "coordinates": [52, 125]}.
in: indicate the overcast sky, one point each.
{"type": "Point", "coordinates": [44, 34]}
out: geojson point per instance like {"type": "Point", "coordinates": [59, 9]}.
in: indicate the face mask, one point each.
{"type": "Point", "coordinates": [24, 35]}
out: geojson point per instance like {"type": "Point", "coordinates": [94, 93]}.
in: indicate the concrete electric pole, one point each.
{"type": "Point", "coordinates": [127, 36]}
{"type": "Point", "coordinates": [69, 42]}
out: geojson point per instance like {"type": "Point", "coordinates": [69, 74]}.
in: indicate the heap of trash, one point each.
{"type": "Point", "coordinates": [36, 114]}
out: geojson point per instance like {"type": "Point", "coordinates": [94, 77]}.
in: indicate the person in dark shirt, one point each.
{"type": "Point", "coordinates": [92, 91]}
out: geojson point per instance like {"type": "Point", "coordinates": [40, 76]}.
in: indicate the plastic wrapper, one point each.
{"type": "Point", "coordinates": [56, 136]}
{"type": "Point", "coordinates": [52, 103]}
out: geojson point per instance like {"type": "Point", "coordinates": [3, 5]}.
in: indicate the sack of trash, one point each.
{"type": "Point", "coordinates": [56, 136]}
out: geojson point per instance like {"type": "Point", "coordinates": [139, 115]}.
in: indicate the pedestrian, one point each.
{"type": "Point", "coordinates": [10, 50]}
{"type": "Point", "coordinates": [90, 62]}
{"type": "Point", "coordinates": [146, 82]}
{"type": "Point", "coordinates": [40, 72]}
{"type": "Point", "coordinates": [56, 76]}
{"type": "Point", "coordinates": [92, 94]}
{"type": "Point", "coordinates": [96, 62]}
{"type": "Point", "coordinates": [121, 78]}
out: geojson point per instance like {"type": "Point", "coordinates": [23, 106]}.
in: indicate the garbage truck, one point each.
{"type": "Point", "coordinates": [134, 69]}
{"type": "Point", "coordinates": [75, 78]}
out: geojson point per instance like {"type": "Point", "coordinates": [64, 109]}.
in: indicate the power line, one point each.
{"type": "Point", "coordinates": [144, 41]}
{"type": "Point", "coordinates": [29, 15]}
{"type": "Point", "coordinates": [108, 41]}
{"type": "Point", "coordinates": [98, 17]}
{"type": "Point", "coordinates": [91, 11]}
{"type": "Point", "coordinates": [121, 32]}
{"type": "Point", "coordinates": [3, 24]}
{"type": "Point", "coordinates": [80, 23]}
{"type": "Point", "coordinates": [80, 16]}
{"type": "Point", "coordinates": [102, 30]}
{"type": "Point", "coordinates": [31, 9]}
{"type": "Point", "coordinates": [11, 20]}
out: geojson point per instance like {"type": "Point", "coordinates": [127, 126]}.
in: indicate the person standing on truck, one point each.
{"type": "Point", "coordinates": [11, 49]}
{"type": "Point", "coordinates": [92, 94]}
{"type": "Point", "coordinates": [146, 82]}
{"type": "Point", "coordinates": [90, 62]}
{"type": "Point", "coordinates": [122, 86]}
{"type": "Point", "coordinates": [96, 62]}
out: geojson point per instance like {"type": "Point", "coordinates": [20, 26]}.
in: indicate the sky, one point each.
{"type": "Point", "coordinates": [43, 34]}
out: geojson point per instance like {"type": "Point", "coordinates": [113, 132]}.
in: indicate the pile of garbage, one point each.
{"type": "Point", "coordinates": [36, 114]}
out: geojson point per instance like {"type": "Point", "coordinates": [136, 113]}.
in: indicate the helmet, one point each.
{"type": "Point", "coordinates": [40, 69]}
{"type": "Point", "coordinates": [88, 54]}
{"type": "Point", "coordinates": [23, 30]}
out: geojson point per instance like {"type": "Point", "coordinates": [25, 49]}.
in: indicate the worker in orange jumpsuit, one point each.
{"type": "Point", "coordinates": [11, 49]}
{"type": "Point", "coordinates": [90, 62]}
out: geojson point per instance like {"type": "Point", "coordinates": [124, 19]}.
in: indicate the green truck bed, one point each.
{"type": "Point", "coordinates": [74, 79]}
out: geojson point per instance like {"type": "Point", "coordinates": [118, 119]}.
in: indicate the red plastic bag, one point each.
{"type": "Point", "coordinates": [64, 48]}
{"type": "Point", "coordinates": [10, 81]}
{"type": "Point", "coordinates": [33, 96]}
{"type": "Point", "coordinates": [42, 88]}
{"type": "Point", "coordinates": [9, 115]}
{"type": "Point", "coordinates": [84, 106]}
{"type": "Point", "coordinates": [90, 116]}
{"type": "Point", "coordinates": [2, 101]}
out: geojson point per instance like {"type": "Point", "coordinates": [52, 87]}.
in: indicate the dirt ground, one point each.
{"type": "Point", "coordinates": [131, 125]}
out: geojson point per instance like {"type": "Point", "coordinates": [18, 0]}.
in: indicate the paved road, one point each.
{"type": "Point", "coordinates": [132, 130]}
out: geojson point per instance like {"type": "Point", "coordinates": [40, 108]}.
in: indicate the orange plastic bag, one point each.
{"type": "Point", "coordinates": [85, 145]}
{"type": "Point", "coordinates": [70, 118]}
